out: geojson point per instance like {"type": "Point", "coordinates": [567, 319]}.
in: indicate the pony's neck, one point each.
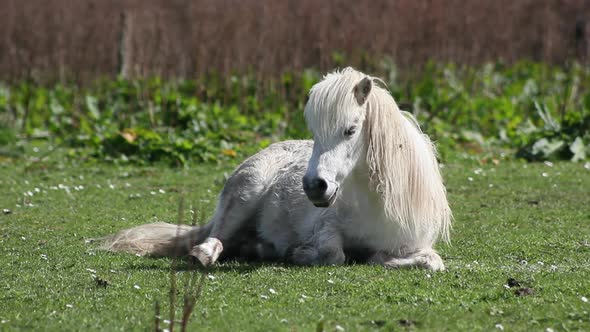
{"type": "Point", "coordinates": [357, 191]}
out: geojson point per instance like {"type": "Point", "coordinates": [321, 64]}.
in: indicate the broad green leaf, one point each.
{"type": "Point", "coordinates": [92, 105]}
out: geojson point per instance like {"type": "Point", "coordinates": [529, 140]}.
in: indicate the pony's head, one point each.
{"type": "Point", "coordinates": [335, 114]}
{"type": "Point", "coordinates": [357, 125]}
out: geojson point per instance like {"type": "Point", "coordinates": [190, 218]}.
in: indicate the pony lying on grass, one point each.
{"type": "Point", "coordinates": [367, 188]}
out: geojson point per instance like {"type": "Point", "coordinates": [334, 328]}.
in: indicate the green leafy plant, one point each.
{"type": "Point", "coordinates": [565, 139]}
{"type": "Point", "coordinates": [214, 118]}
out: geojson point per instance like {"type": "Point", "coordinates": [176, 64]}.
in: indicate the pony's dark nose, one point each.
{"type": "Point", "coordinates": [315, 188]}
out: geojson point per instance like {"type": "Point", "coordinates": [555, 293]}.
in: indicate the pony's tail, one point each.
{"type": "Point", "coordinates": [156, 239]}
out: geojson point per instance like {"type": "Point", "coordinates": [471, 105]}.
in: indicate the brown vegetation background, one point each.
{"type": "Point", "coordinates": [86, 39]}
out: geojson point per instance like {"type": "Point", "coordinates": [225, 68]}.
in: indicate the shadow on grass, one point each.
{"type": "Point", "coordinates": [190, 264]}
{"type": "Point", "coordinates": [186, 264]}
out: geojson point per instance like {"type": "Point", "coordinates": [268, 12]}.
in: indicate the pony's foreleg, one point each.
{"type": "Point", "coordinates": [423, 258]}
{"type": "Point", "coordinates": [237, 206]}
{"type": "Point", "coordinates": [325, 248]}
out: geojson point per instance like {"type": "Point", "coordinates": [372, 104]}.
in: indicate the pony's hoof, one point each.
{"type": "Point", "coordinates": [207, 252]}
{"type": "Point", "coordinates": [430, 260]}
{"type": "Point", "coordinates": [434, 263]}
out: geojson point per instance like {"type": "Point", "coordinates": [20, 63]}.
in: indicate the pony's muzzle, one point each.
{"type": "Point", "coordinates": [317, 191]}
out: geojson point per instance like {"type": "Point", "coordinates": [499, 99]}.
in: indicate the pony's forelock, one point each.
{"type": "Point", "coordinates": [331, 99]}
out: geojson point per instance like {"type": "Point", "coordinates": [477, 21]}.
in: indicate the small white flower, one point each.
{"type": "Point", "coordinates": [23, 238]}
{"type": "Point", "coordinates": [112, 186]}
{"type": "Point", "coordinates": [136, 287]}
{"type": "Point", "coordinates": [37, 190]}
{"type": "Point", "coordinates": [272, 291]}
{"type": "Point", "coordinates": [553, 268]}
{"type": "Point", "coordinates": [330, 281]}
{"type": "Point", "coordinates": [303, 296]}
{"type": "Point", "coordinates": [506, 286]}
{"type": "Point", "coordinates": [91, 270]}
{"type": "Point", "coordinates": [127, 184]}
{"type": "Point", "coordinates": [587, 165]}
{"type": "Point", "coordinates": [162, 191]}
{"type": "Point", "coordinates": [69, 306]}
{"type": "Point", "coordinates": [284, 321]}
{"type": "Point", "coordinates": [211, 277]}
{"type": "Point", "coordinates": [544, 174]}
{"type": "Point", "coordinates": [152, 192]}
{"type": "Point", "coordinates": [470, 179]}
{"type": "Point", "coordinates": [584, 299]}
{"type": "Point", "coordinates": [4, 321]}
{"type": "Point", "coordinates": [478, 171]}
{"type": "Point", "coordinates": [43, 256]}
{"type": "Point", "coordinates": [428, 276]}
{"type": "Point", "coordinates": [264, 297]}
{"type": "Point", "coordinates": [491, 185]}
{"type": "Point", "coordinates": [500, 327]}
{"type": "Point", "coordinates": [548, 163]}
{"type": "Point", "coordinates": [339, 328]}
{"type": "Point", "coordinates": [166, 321]}
{"type": "Point", "coordinates": [549, 330]}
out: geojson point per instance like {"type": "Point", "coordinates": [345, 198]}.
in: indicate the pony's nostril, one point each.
{"type": "Point", "coordinates": [314, 186]}
{"type": "Point", "coordinates": [321, 185]}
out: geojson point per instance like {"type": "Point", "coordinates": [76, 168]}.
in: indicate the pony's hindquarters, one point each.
{"type": "Point", "coordinates": [156, 239]}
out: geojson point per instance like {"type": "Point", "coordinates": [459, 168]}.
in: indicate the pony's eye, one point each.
{"type": "Point", "coordinates": [350, 131]}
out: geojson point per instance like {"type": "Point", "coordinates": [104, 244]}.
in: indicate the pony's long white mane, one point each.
{"type": "Point", "coordinates": [401, 159]}
{"type": "Point", "coordinates": [403, 167]}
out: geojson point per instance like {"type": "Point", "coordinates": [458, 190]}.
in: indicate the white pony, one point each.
{"type": "Point", "coordinates": [367, 188]}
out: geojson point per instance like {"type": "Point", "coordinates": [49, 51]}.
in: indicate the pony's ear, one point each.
{"type": "Point", "coordinates": [362, 89]}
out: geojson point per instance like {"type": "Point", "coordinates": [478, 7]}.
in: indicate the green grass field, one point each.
{"type": "Point", "coordinates": [519, 258]}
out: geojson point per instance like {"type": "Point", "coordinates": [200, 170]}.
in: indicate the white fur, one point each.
{"type": "Point", "coordinates": [388, 196]}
